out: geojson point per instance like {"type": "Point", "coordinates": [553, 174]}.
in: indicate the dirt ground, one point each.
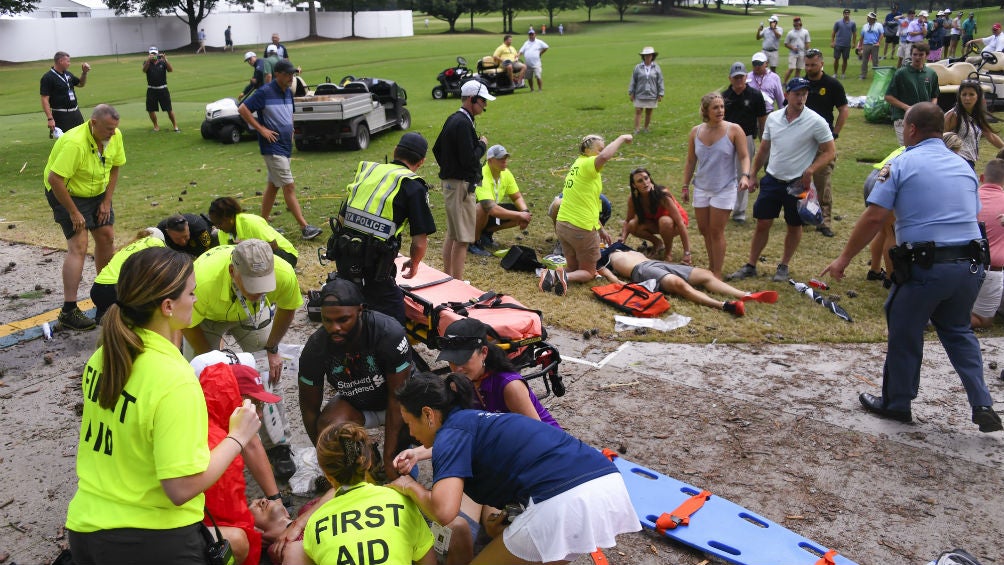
{"type": "Point", "coordinates": [776, 429]}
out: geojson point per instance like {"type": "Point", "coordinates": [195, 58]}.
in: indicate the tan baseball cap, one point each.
{"type": "Point", "coordinates": [252, 259]}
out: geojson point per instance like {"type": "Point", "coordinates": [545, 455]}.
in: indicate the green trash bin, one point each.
{"type": "Point", "coordinates": [876, 108]}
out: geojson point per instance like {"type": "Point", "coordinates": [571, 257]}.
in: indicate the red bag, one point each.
{"type": "Point", "coordinates": [633, 298]}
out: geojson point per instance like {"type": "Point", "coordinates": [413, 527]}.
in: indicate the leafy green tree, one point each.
{"type": "Point", "coordinates": [448, 11]}
{"type": "Point", "coordinates": [621, 6]}
{"type": "Point", "coordinates": [555, 6]}
{"type": "Point", "coordinates": [590, 4]}
{"type": "Point", "coordinates": [192, 12]}
{"type": "Point", "coordinates": [12, 7]}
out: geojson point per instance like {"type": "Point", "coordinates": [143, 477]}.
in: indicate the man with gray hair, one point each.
{"type": "Point", "coordinates": [80, 178]}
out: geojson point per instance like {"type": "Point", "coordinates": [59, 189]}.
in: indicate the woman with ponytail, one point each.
{"type": "Point", "coordinates": [570, 499]}
{"type": "Point", "coordinates": [142, 458]}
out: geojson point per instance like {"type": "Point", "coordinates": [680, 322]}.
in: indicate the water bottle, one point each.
{"type": "Point", "coordinates": [816, 283]}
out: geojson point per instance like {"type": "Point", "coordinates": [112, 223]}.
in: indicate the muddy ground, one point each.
{"type": "Point", "coordinates": [776, 429]}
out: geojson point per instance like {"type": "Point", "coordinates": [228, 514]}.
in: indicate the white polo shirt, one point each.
{"type": "Point", "coordinates": [793, 145]}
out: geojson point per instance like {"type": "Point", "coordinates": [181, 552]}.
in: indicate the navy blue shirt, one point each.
{"type": "Point", "coordinates": [275, 111]}
{"type": "Point", "coordinates": [506, 458]}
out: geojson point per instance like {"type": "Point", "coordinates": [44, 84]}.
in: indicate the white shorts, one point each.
{"type": "Point", "coordinates": [771, 58]}
{"type": "Point", "coordinates": [989, 298]}
{"type": "Point", "coordinates": [796, 61]}
{"type": "Point", "coordinates": [279, 173]}
{"type": "Point", "coordinates": [575, 522]}
{"type": "Point", "coordinates": [904, 50]}
{"type": "Point", "coordinates": [646, 103]}
{"type": "Point", "coordinates": [723, 199]}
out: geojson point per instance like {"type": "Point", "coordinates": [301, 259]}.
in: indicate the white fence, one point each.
{"type": "Point", "coordinates": [38, 39]}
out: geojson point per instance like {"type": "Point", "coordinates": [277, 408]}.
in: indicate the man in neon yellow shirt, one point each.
{"type": "Point", "coordinates": [80, 179]}
{"type": "Point", "coordinates": [498, 181]}
{"type": "Point", "coordinates": [246, 292]}
{"type": "Point", "coordinates": [508, 56]}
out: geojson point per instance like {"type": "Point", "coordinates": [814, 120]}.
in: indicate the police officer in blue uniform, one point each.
{"type": "Point", "coordinates": [939, 266]}
{"type": "Point", "coordinates": [383, 200]}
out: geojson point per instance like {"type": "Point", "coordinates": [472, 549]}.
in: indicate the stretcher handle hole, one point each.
{"type": "Point", "coordinates": [812, 549]}
{"type": "Point", "coordinates": [754, 520]}
{"type": "Point", "coordinates": [722, 547]}
{"type": "Point", "coordinates": [645, 474]}
{"type": "Point", "coordinates": [689, 491]}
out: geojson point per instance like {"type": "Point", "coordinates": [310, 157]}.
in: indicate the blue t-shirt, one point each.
{"type": "Point", "coordinates": [275, 112]}
{"type": "Point", "coordinates": [506, 458]}
{"type": "Point", "coordinates": [940, 208]}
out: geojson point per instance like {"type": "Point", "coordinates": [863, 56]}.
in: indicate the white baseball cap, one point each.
{"type": "Point", "coordinates": [759, 57]}
{"type": "Point", "coordinates": [772, 19]}
{"type": "Point", "coordinates": [271, 49]}
{"type": "Point", "coordinates": [248, 55]}
{"type": "Point", "coordinates": [153, 51]}
{"type": "Point", "coordinates": [496, 152]}
{"type": "Point", "coordinates": [475, 88]}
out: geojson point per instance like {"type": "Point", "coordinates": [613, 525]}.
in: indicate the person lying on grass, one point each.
{"type": "Point", "coordinates": [619, 259]}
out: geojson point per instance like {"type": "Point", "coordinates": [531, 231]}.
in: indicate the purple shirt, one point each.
{"type": "Point", "coordinates": [769, 84]}
{"type": "Point", "coordinates": [489, 396]}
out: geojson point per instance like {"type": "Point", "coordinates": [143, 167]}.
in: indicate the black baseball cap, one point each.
{"type": "Point", "coordinates": [461, 339]}
{"type": "Point", "coordinates": [341, 292]}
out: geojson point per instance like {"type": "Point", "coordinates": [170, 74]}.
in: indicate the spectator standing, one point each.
{"type": "Point", "coordinates": [493, 214]}
{"type": "Point", "coordinates": [968, 119]}
{"type": "Point", "coordinates": [156, 66]}
{"type": "Point", "coordinates": [713, 149]}
{"type": "Point", "coordinates": [202, 42]}
{"type": "Point", "coordinates": [843, 38]}
{"type": "Point", "coordinates": [916, 32]}
{"type": "Point", "coordinates": [228, 40]}
{"type": "Point", "coordinates": [940, 279]}
{"type": "Point", "coordinates": [903, 24]}
{"type": "Point", "coordinates": [646, 88]}
{"type": "Point", "coordinates": [766, 81]}
{"type": "Point", "coordinates": [257, 76]}
{"type": "Point", "coordinates": [141, 478]}
{"type": "Point", "coordinates": [80, 179]}
{"type": "Point", "coordinates": [271, 60]}
{"type": "Point", "coordinates": [561, 29]}
{"type": "Point", "coordinates": [384, 199]}
{"type": "Point", "coordinates": [796, 143]}
{"type": "Point", "coordinates": [744, 105]}
{"type": "Point", "coordinates": [911, 84]}
{"type": "Point", "coordinates": [191, 234]}
{"type": "Point", "coordinates": [891, 32]}
{"type": "Point", "coordinates": [988, 301]}
{"type": "Point", "coordinates": [59, 100]}
{"type": "Point", "coordinates": [281, 50]}
{"type": "Point", "coordinates": [532, 51]}
{"type": "Point", "coordinates": [826, 95]}
{"type": "Point", "coordinates": [274, 106]}
{"type": "Point", "coordinates": [871, 34]}
{"type": "Point", "coordinates": [797, 41]}
{"type": "Point", "coordinates": [955, 32]}
{"type": "Point", "coordinates": [365, 357]}
{"type": "Point", "coordinates": [969, 31]}
{"type": "Point", "coordinates": [459, 150]}
{"type": "Point", "coordinates": [771, 41]}
{"type": "Point", "coordinates": [248, 294]}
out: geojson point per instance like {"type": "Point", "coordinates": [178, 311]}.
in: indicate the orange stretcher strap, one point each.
{"type": "Point", "coordinates": [598, 557]}
{"type": "Point", "coordinates": [609, 453]}
{"type": "Point", "coordinates": [681, 516]}
{"type": "Point", "coordinates": [828, 558]}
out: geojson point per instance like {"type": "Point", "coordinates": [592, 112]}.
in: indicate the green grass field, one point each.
{"type": "Point", "coordinates": [585, 76]}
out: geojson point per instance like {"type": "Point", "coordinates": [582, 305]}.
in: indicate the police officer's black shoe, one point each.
{"type": "Point", "coordinates": [281, 458]}
{"type": "Point", "coordinates": [987, 419]}
{"type": "Point", "coordinates": [876, 405]}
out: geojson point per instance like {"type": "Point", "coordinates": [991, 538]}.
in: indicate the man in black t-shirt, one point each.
{"type": "Point", "coordinates": [156, 66]}
{"type": "Point", "coordinates": [826, 94]}
{"type": "Point", "coordinates": [188, 233]}
{"type": "Point", "coordinates": [365, 357]}
{"type": "Point", "coordinates": [744, 105]}
{"type": "Point", "coordinates": [59, 101]}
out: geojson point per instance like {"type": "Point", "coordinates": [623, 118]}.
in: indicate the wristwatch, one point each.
{"type": "Point", "coordinates": [273, 350]}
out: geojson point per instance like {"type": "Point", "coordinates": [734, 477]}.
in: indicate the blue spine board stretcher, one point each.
{"type": "Point", "coordinates": [720, 527]}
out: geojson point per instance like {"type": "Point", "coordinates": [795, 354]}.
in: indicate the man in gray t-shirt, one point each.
{"type": "Point", "coordinates": [845, 34]}
{"type": "Point", "coordinates": [771, 41]}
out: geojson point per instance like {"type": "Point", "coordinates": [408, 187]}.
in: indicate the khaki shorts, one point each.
{"type": "Point", "coordinates": [581, 247]}
{"type": "Point", "coordinates": [796, 61]}
{"type": "Point", "coordinates": [279, 173]}
{"type": "Point", "coordinates": [461, 211]}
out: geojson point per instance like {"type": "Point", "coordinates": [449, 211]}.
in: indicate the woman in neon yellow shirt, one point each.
{"type": "Point", "coordinates": [103, 290]}
{"type": "Point", "coordinates": [235, 226]}
{"type": "Point", "coordinates": [142, 459]}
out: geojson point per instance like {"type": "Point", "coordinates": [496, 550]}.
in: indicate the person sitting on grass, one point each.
{"type": "Point", "coordinates": [235, 225]}
{"type": "Point", "coordinates": [655, 216]}
{"type": "Point", "coordinates": [492, 215]}
{"type": "Point", "coordinates": [619, 259]}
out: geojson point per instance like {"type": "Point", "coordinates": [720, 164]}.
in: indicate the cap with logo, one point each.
{"type": "Point", "coordinates": [154, 51]}
{"type": "Point", "coordinates": [248, 55]}
{"type": "Point", "coordinates": [496, 152]}
{"type": "Point", "coordinates": [737, 69]}
{"type": "Point", "coordinates": [871, 15]}
{"type": "Point", "coordinates": [796, 84]}
{"type": "Point", "coordinates": [759, 57]}
{"type": "Point", "coordinates": [475, 88]}
{"type": "Point", "coordinates": [253, 261]}
{"type": "Point", "coordinates": [249, 384]}
{"type": "Point", "coordinates": [461, 339]}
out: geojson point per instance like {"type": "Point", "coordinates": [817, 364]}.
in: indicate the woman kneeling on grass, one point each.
{"type": "Point", "coordinates": [142, 458]}
{"type": "Point", "coordinates": [575, 499]}
{"type": "Point", "coordinates": [236, 225]}
{"type": "Point", "coordinates": [655, 216]}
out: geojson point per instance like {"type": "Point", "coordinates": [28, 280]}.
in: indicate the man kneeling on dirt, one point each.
{"type": "Point", "coordinates": [365, 356]}
{"type": "Point", "coordinates": [498, 181]}
{"type": "Point", "coordinates": [508, 56]}
{"type": "Point", "coordinates": [676, 279]}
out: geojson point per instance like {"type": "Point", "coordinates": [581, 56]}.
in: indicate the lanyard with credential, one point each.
{"type": "Point", "coordinates": [69, 89]}
{"type": "Point", "coordinates": [252, 319]}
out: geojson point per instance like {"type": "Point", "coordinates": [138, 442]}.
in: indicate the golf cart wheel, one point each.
{"type": "Point", "coordinates": [438, 93]}
{"type": "Point", "coordinates": [230, 134]}
{"type": "Point", "coordinates": [207, 130]}
{"type": "Point", "coordinates": [362, 139]}
{"type": "Point", "coordinates": [300, 144]}
{"type": "Point", "coordinates": [404, 122]}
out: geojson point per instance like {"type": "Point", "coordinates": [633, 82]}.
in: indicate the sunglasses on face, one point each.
{"type": "Point", "coordinates": [461, 342]}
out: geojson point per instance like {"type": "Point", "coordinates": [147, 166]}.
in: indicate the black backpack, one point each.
{"type": "Point", "coordinates": [521, 258]}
